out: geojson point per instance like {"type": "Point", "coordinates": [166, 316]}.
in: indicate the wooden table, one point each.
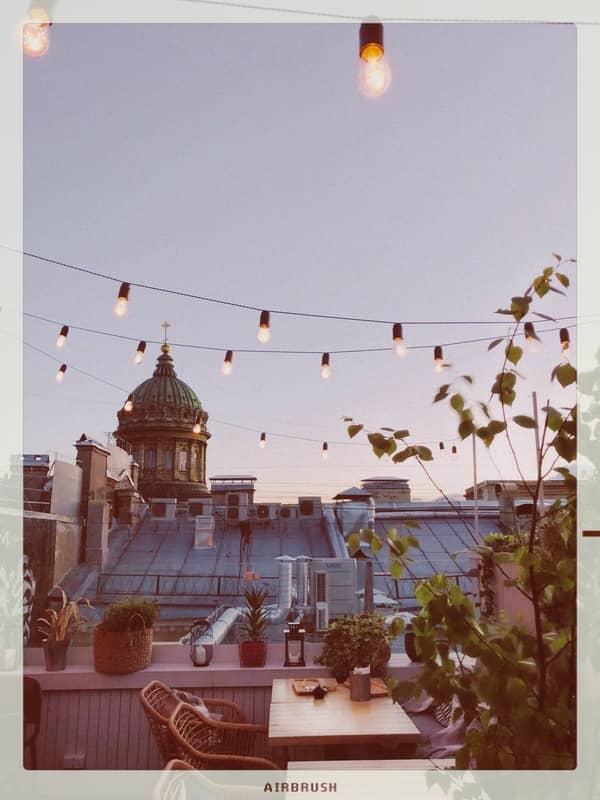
{"type": "Point", "coordinates": [401, 763]}
{"type": "Point", "coordinates": [303, 720]}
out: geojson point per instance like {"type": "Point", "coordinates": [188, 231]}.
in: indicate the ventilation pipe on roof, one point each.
{"type": "Point", "coordinates": [507, 493]}
{"type": "Point", "coordinates": [284, 589]}
{"type": "Point", "coordinates": [302, 580]}
{"type": "Point", "coordinates": [218, 630]}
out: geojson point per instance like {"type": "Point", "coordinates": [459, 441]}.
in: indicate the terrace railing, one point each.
{"type": "Point", "coordinates": [180, 585]}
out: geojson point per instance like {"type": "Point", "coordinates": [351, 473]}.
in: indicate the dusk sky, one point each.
{"type": "Point", "coordinates": [240, 162]}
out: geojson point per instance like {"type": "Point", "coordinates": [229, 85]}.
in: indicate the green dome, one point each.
{"type": "Point", "coordinates": [164, 389]}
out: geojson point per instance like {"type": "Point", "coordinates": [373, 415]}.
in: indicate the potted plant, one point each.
{"type": "Point", "coordinates": [253, 650]}
{"type": "Point", "coordinates": [355, 641]}
{"type": "Point", "coordinates": [123, 640]}
{"type": "Point", "coordinates": [56, 629]}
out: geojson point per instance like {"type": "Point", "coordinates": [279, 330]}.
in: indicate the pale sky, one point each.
{"type": "Point", "coordinates": [240, 162]}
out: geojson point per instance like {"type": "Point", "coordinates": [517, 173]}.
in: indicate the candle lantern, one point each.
{"type": "Point", "coordinates": [294, 646]}
{"type": "Point", "coordinates": [201, 646]}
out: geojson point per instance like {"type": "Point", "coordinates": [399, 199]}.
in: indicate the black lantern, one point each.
{"type": "Point", "coordinates": [294, 646]}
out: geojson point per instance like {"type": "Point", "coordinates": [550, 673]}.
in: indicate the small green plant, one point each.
{"type": "Point", "coordinates": [501, 542]}
{"type": "Point", "coordinates": [59, 626]}
{"type": "Point", "coordinates": [256, 618]}
{"type": "Point", "coordinates": [355, 641]}
{"type": "Point", "coordinates": [125, 615]}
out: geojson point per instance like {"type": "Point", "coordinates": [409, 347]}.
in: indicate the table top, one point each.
{"type": "Point", "coordinates": [403, 763]}
{"type": "Point", "coordinates": [296, 719]}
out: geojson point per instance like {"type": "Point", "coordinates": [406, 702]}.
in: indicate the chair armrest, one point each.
{"type": "Point", "coordinates": [230, 709]}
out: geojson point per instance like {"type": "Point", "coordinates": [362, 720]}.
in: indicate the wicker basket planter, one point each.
{"type": "Point", "coordinates": [123, 640]}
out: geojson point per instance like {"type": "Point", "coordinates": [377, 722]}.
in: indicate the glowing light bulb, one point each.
{"type": "Point", "coordinates": [120, 309]}
{"type": "Point", "coordinates": [36, 33]}
{"type": "Point", "coordinates": [325, 369]}
{"type": "Point", "coordinates": [531, 340]}
{"type": "Point", "coordinates": [438, 357]}
{"type": "Point", "coordinates": [227, 363]}
{"type": "Point", "coordinates": [325, 451]}
{"type": "Point", "coordinates": [196, 428]}
{"type": "Point", "coordinates": [139, 353]}
{"type": "Point", "coordinates": [264, 330]}
{"type": "Point", "coordinates": [61, 373]}
{"type": "Point", "coordinates": [263, 441]}
{"type": "Point", "coordinates": [62, 336]}
{"type": "Point", "coordinates": [128, 407]}
{"type": "Point", "coordinates": [399, 346]}
{"type": "Point", "coordinates": [374, 76]}
{"type": "Point", "coordinates": [454, 450]}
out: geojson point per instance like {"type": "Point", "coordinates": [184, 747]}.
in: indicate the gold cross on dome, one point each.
{"type": "Point", "coordinates": [166, 326]}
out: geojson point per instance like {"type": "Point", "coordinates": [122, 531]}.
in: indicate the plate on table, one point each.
{"type": "Point", "coordinates": [308, 685]}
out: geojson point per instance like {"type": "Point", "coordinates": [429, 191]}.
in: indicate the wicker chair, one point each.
{"type": "Point", "coordinates": [210, 744]}
{"type": "Point", "coordinates": [159, 701]}
{"type": "Point", "coordinates": [176, 784]}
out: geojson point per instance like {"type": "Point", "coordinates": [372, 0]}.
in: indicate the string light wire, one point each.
{"type": "Point", "coordinates": [245, 306]}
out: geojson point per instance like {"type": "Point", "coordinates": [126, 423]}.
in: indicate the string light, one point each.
{"type": "Point", "coordinates": [438, 357]}
{"type": "Point", "coordinates": [325, 369]}
{"type": "Point", "coordinates": [227, 363]}
{"type": "Point", "coordinates": [442, 446]}
{"type": "Point", "coordinates": [263, 440]}
{"type": "Point", "coordinates": [120, 309]}
{"type": "Point", "coordinates": [36, 33]}
{"type": "Point", "coordinates": [565, 342]}
{"type": "Point", "coordinates": [374, 73]}
{"type": "Point", "coordinates": [264, 329]}
{"type": "Point", "coordinates": [61, 373]}
{"type": "Point", "coordinates": [531, 339]}
{"type": "Point", "coordinates": [62, 336]}
{"type": "Point", "coordinates": [325, 451]}
{"type": "Point", "coordinates": [139, 353]}
{"type": "Point", "coordinates": [197, 428]}
{"type": "Point", "coordinates": [128, 407]}
{"type": "Point", "coordinates": [454, 450]}
{"type": "Point", "coordinates": [398, 339]}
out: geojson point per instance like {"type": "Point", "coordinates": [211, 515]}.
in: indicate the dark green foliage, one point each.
{"type": "Point", "coordinates": [356, 641]}
{"type": "Point", "coordinates": [125, 615]}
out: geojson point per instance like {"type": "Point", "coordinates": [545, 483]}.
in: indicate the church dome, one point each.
{"type": "Point", "coordinates": [164, 389]}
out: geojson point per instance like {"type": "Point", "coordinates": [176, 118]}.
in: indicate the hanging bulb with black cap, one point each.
{"type": "Point", "coordinates": [531, 340]}
{"type": "Point", "coordinates": [374, 73]}
{"type": "Point", "coordinates": [197, 428]}
{"type": "Point", "coordinates": [325, 368]}
{"type": "Point", "coordinates": [128, 407]}
{"type": "Point", "coordinates": [565, 342]}
{"type": "Point", "coordinates": [264, 327]}
{"type": "Point", "coordinates": [62, 336]}
{"type": "Point", "coordinates": [139, 353]}
{"type": "Point", "coordinates": [398, 339]}
{"type": "Point", "coordinates": [325, 451]}
{"type": "Point", "coordinates": [61, 373]}
{"type": "Point", "coordinates": [227, 363]}
{"type": "Point", "coordinates": [263, 441]}
{"type": "Point", "coordinates": [120, 309]}
{"type": "Point", "coordinates": [438, 358]}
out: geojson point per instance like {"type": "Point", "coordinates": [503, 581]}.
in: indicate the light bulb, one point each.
{"type": "Point", "coordinates": [438, 357]}
{"type": "Point", "coordinates": [565, 343]}
{"type": "Point", "coordinates": [61, 372]}
{"type": "Point", "coordinates": [120, 309]}
{"type": "Point", "coordinates": [325, 451]}
{"type": "Point", "coordinates": [325, 370]}
{"type": "Point", "coordinates": [264, 330]}
{"type": "Point", "coordinates": [374, 75]}
{"type": "Point", "coordinates": [139, 353]}
{"type": "Point", "coordinates": [400, 347]}
{"type": "Point", "coordinates": [454, 450]}
{"type": "Point", "coordinates": [439, 365]}
{"type": "Point", "coordinates": [196, 428]}
{"type": "Point", "coordinates": [36, 33]}
{"type": "Point", "coordinates": [227, 363]}
{"type": "Point", "coordinates": [263, 441]}
{"type": "Point", "coordinates": [531, 340]}
{"type": "Point", "coordinates": [128, 407]}
{"type": "Point", "coordinates": [62, 336]}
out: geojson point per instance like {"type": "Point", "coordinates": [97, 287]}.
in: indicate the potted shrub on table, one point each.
{"type": "Point", "coordinates": [57, 628]}
{"type": "Point", "coordinates": [356, 641]}
{"type": "Point", "coordinates": [253, 650]}
{"type": "Point", "coordinates": [123, 640]}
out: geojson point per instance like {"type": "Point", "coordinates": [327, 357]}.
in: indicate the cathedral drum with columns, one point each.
{"type": "Point", "coordinates": [163, 424]}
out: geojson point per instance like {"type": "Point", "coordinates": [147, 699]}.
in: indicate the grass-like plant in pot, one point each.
{"type": "Point", "coordinates": [355, 641]}
{"type": "Point", "coordinates": [123, 640]}
{"type": "Point", "coordinates": [253, 649]}
{"type": "Point", "coordinates": [57, 628]}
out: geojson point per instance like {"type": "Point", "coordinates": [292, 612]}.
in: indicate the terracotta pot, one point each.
{"type": "Point", "coordinates": [55, 655]}
{"type": "Point", "coordinates": [253, 654]}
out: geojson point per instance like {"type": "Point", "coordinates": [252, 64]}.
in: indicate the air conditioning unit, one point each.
{"type": "Point", "coordinates": [321, 616]}
{"type": "Point", "coordinates": [320, 587]}
{"type": "Point", "coordinates": [333, 581]}
{"type": "Point", "coordinates": [233, 513]}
